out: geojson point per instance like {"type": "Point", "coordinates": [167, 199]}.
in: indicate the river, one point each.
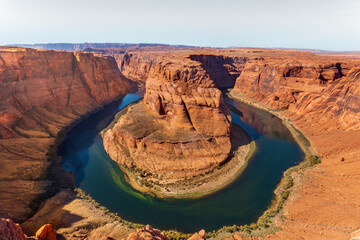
{"type": "Point", "coordinates": [242, 202]}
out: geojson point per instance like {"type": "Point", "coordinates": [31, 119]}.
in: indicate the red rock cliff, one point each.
{"type": "Point", "coordinates": [41, 92]}
{"type": "Point", "coordinates": [223, 70]}
{"type": "Point", "coordinates": [188, 97]}
{"type": "Point", "coordinates": [323, 85]}
{"type": "Point", "coordinates": [185, 124]}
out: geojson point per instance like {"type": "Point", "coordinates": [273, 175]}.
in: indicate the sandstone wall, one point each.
{"type": "Point", "coordinates": [223, 70]}
{"type": "Point", "coordinates": [189, 98]}
{"type": "Point", "coordinates": [137, 65]}
{"type": "Point", "coordinates": [185, 124]}
{"type": "Point", "coordinates": [328, 87]}
{"type": "Point", "coordinates": [42, 91]}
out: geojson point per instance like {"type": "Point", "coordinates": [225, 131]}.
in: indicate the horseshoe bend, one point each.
{"type": "Point", "coordinates": [181, 129]}
{"type": "Point", "coordinates": [196, 130]}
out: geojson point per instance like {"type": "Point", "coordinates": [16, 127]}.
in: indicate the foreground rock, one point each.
{"type": "Point", "coordinates": [46, 232]}
{"type": "Point", "coordinates": [75, 218]}
{"type": "Point", "coordinates": [10, 230]}
{"type": "Point", "coordinates": [182, 129]}
{"type": "Point", "coordinates": [147, 233]}
{"type": "Point", "coordinates": [198, 236]}
{"type": "Point", "coordinates": [41, 92]}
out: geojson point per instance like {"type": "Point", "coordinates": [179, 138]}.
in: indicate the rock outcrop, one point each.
{"type": "Point", "coordinates": [302, 86]}
{"type": "Point", "coordinates": [223, 70]}
{"type": "Point", "coordinates": [46, 232]}
{"type": "Point", "coordinates": [146, 233]}
{"type": "Point", "coordinates": [41, 92]}
{"type": "Point", "coordinates": [182, 130]}
{"type": "Point", "coordinates": [279, 83]}
{"type": "Point", "coordinates": [136, 65]}
{"type": "Point", "coordinates": [340, 100]}
{"type": "Point", "coordinates": [11, 230]}
{"type": "Point", "coordinates": [198, 236]}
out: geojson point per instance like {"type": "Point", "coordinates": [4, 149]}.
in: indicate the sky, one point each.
{"type": "Point", "coordinates": [316, 24]}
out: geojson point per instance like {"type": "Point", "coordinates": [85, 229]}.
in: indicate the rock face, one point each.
{"type": "Point", "coordinates": [304, 86]}
{"type": "Point", "coordinates": [183, 129]}
{"type": "Point", "coordinates": [10, 230]}
{"type": "Point", "coordinates": [137, 66]}
{"type": "Point", "coordinates": [40, 93]}
{"type": "Point", "coordinates": [198, 236]}
{"type": "Point", "coordinates": [13, 231]}
{"type": "Point", "coordinates": [35, 83]}
{"type": "Point", "coordinates": [280, 83]}
{"type": "Point", "coordinates": [188, 98]}
{"type": "Point", "coordinates": [223, 70]}
{"type": "Point", "coordinates": [147, 233]}
{"type": "Point", "coordinates": [46, 232]}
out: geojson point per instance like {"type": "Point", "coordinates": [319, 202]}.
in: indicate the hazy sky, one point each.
{"type": "Point", "coordinates": [320, 24]}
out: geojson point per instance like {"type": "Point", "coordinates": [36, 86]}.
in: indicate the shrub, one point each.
{"type": "Point", "coordinates": [314, 159]}
{"type": "Point", "coordinates": [289, 182]}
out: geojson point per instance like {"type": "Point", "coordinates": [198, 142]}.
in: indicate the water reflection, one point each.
{"type": "Point", "coordinates": [263, 122]}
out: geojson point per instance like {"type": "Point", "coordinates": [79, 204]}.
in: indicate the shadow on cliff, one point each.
{"type": "Point", "coordinates": [239, 137]}
{"type": "Point", "coordinates": [61, 211]}
{"type": "Point", "coordinates": [222, 70]}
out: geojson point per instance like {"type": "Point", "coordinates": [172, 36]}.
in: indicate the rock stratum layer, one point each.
{"type": "Point", "coordinates": [303, 86]}
{"type": "Point", "coordinates": [182, 129]}
{"type": "Point", "coordinates": [41, 92]}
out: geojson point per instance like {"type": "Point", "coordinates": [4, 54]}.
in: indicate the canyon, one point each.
{"type": "Point", "coordinates": [43, 92]}
{"type": "Point", "coordinates": [319, 95]}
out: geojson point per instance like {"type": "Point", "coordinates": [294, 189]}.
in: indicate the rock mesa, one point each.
{"type": "Point", "coordinates": [181, 129]}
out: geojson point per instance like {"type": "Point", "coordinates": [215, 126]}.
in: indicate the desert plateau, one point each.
{"type": "Point", "coordinates": [231, 131]}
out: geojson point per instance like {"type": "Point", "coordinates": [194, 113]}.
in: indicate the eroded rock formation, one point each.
{"type": "Point", "coordinates": [41, 92]}
{"type": "Point", "coordinates": [146, 233]}
{"type": "Point", "coordinates": [183, 129]}
{"type": "Point", "coordinates": [303, 86]}
{"type": "Point", "coordinates": [198, 236]}
{"type": "Point", "coordinates": [11, 230]}
{"type": "Point", "coordinates": [280, 83]}
{"type": "Point", "coordinates": [223, 70]}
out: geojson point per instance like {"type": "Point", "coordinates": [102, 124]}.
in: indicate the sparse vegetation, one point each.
{"type": "Point", "coordinates": [175, 235]}
{"type": "Point", "coordinates": [288, 182]}
{"type": "Point", "coordinates": [283, 191]}
{"type": "Point", "coordinates": [313, 159]}
{"type": "Point", "coordinates": [81, 194]}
